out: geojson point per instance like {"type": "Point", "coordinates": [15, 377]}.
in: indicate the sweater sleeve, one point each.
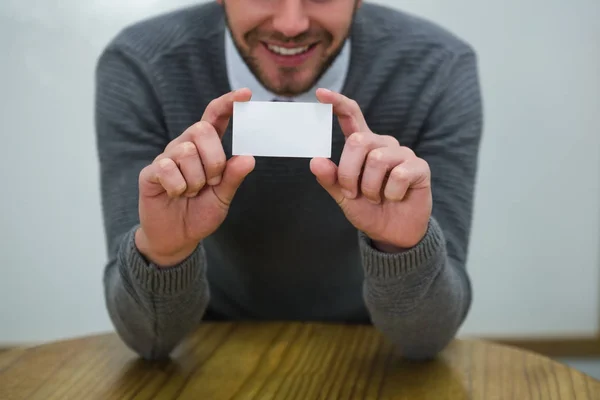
{"type": "Point", "coordinates": [420, 297]}
{"type": "Point", "coordinates": [152, 309]}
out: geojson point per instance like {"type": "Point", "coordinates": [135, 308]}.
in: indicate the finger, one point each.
{"type": "Point", "coordinates": [325, 171]}
{"type": "Point", "coordinates": [211, 151]}
{"type": "Point", "coordinates": [348, 111]}
{"type": "Point", "coordinates": [357, 146]}
{"type": "Point", "coordinates": [217, 114]}
{"type": "Point", "coordinates": [236, 170]}
{"type": "Point", "coordinates": [188, 160]}
{"type": "Point", "coordinates": [161, 176]}
{"type": "Point", "coordinates": [413, 174]}
{"type": "Point", "coordinates": [148, 181]}
{"type": "Point", "coordinates": [219, 111]}
{"type": "Point", "coordinates": [378, 164]}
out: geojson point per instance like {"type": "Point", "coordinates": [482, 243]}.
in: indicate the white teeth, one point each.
{"type": "Point", "coordinates": [287, 52]}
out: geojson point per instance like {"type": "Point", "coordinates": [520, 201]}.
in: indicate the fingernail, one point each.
{"type": "Point", "coordinates": [376, 202]}
{"type": "Point", "coordinates": [326, 90]}
{"type": "Point", "coordinates": [214, 181]}
{"type": "Point", "coordinates": [347, 194]}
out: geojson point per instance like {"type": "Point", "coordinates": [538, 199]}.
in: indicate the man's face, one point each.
{"type": "Point", "coordinates": [289, 44]}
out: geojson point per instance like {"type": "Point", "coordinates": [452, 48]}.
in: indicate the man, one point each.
{"type": "Point", "coordinates": [377, 234]}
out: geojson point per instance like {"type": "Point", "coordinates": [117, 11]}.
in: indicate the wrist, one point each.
{"type": "Point", "coordinates": [162, 260]}
{"type": "Point", "coordinates": [385, 247]}
{"type": "Point", "coordinates": [427, 255]}
{"type": "Point", "coordinates": [410, 240]}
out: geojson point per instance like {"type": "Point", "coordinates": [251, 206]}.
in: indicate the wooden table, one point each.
{"type": "Point", "coordinates": [284, 361]}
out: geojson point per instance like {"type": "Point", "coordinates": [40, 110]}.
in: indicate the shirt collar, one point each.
{"type": "Point", "coordinates": [240, 75]}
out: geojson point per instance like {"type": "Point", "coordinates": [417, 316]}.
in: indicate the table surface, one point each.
{"type": "Point", "coordinates": [285, 361]}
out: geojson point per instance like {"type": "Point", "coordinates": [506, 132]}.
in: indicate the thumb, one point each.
{"type": "Point", "coordinates": [325, 171]}
{"type": "Point", "coordinates": [236, 170]}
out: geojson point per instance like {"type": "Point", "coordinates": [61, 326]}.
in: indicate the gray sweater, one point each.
{"type": "Point", "coordinates": [285, 250]}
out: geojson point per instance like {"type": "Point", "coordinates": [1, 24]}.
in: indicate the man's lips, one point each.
{"type": "Point", "coordinates": [289, 56]}
{"type": "Point", "coordinates": [287, 48]}
{"type": "Point", "coordinates": [288, 45]}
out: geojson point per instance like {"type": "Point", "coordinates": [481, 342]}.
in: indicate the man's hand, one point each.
{"type": "Point", "coordinates": [384, 189]}
{"type": "Point", "coordinates": [186, 192]}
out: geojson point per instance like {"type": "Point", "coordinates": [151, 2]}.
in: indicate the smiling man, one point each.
{"type": "Point", "coordinates": [377, 234]}
{"type": "Point", "coordinates": [290, 49]}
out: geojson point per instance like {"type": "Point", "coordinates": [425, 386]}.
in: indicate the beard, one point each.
{"type": "Point", "coordinates": [288, 85]}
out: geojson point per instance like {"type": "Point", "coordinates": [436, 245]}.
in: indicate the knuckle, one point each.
{"type": "Point", "coordinates": [166, 165]}
{"type": "Point", "coordinates": [148, 168]}
{"type": "Point", "coordinates": [423, 165]}
{"type": "Point", "coordinates": [210, 110]}
{"type": "Point", "coordinates": [353, 105]}
{"type": "Point", "coordinates": [425, 170]}
{"type": "Point", "coordinates": [392, 141]}
{"type": "Point", "coordinates": [171, 145]}
{"type": "Point", "coordinates": [200, 129]}
{"type": "Point", "coordinates": [399, 175]}
{"type": "Point", "coordinates": [375, 158]}
{"type": "Point", "coordinates": [214, 103]}
{"type": "Point", "coordinates": [187, 149]}
{"type": "Point", "coordinates": [408, 152]}
{"type": "Point", "coordinates": [145, 173]}
{"type": "Point", "coordinates": [356, 139]}
{"type": "Point", "coordinates": [214, 106]}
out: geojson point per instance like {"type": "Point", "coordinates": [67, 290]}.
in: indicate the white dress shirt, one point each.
{"type": "Point", "coordinates": [240, 75]}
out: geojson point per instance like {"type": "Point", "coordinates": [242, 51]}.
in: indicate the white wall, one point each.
{"type": "Point", "coordinates": [534, 258]}
{"type": "Point", "coordinates": [534, 255]}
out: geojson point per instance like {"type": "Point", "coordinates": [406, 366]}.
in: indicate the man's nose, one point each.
{"type": "Point", "coordinates": [290, 18]}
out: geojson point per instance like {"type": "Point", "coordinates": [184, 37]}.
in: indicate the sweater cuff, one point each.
{"type": "Point", "coordinates": [424, 257]}
{"type": "Point", "coordinates": [160, 281]}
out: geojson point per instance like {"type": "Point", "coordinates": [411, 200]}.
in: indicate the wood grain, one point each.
{"type": "Point", "coordinates": [285, 361]}
{"type": "Point", "coordinates": [559, 347]}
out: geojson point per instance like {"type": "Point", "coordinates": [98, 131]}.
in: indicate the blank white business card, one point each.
{"type": "Point", "coordinates": [282, 129]}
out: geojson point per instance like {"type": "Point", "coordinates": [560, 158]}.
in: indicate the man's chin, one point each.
{"type": "Point", "coordinates": [288, 86]}
{"type": "Point", "coordinates": [291, 91]}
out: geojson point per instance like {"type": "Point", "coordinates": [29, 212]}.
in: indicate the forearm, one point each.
{"type": "Point", "coordinates": [417, 298]}
{"type": "Point", "coordinates": [153, 309]}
